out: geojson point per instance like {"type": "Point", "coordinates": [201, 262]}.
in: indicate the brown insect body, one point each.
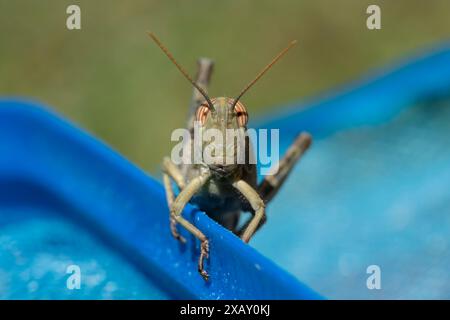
{"type": "Point", "coordinates": [221, 188]}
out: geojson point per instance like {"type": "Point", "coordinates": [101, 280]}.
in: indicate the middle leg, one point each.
{"type": "Point", "coordinates": [257, 205]}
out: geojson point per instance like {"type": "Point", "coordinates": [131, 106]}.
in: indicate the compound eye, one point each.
{"type": "Point", "coordinates": [241, 114]}
{"type": "Point", "coordinates": [202, 113]}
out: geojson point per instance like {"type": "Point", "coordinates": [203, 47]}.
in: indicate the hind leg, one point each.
{"type": "Point", "coordinates": [272, 183]}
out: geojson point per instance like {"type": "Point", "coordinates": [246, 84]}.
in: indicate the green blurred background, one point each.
{"type": "Point", "coordinates": [110, 78]}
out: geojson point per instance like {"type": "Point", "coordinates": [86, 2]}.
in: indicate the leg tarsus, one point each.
{"type": "Point", "coordinates": [204, 244]}
{"type": "Point", "coordinates": [204, 254]}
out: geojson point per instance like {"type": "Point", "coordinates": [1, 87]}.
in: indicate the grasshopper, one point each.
{"type": "Point", "coordinates": [220, 189]}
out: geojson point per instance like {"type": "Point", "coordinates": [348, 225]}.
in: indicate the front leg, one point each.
{"type": "Point", "coordinates": [175, 212]}
{"type": "Point", "coordinates": [257, 204]}
{"type": "Point", "coordinates": [170, 170]}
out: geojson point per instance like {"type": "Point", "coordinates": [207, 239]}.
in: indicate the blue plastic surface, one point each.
{"type": "Point", "coordinates": [38, 245]}
{"type": "Point", "coordinates": [330, 236]}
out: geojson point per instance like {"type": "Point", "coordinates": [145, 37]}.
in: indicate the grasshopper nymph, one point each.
{"type": "Point", "coordinates": [220, 189]}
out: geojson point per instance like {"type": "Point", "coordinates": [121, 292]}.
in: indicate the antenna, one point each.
{"type": "Point", "coordinates": [278, 57]}
{"type": "Point", "coordinates": [185, 74]}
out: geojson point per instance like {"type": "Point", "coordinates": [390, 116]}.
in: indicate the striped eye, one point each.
{"type": "Point", "coordinates": [241, 113]}
{"type": "Point", "coordinates": [202, 113]}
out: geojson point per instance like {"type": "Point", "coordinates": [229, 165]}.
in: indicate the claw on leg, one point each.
{"type": "Point", "coordinates": [204, 253]}
{"type": "Point", "coordinates": [177, 207]}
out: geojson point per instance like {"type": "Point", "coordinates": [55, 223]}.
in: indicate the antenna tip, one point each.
{"type": "Point", "coordinates": [293, 42]}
